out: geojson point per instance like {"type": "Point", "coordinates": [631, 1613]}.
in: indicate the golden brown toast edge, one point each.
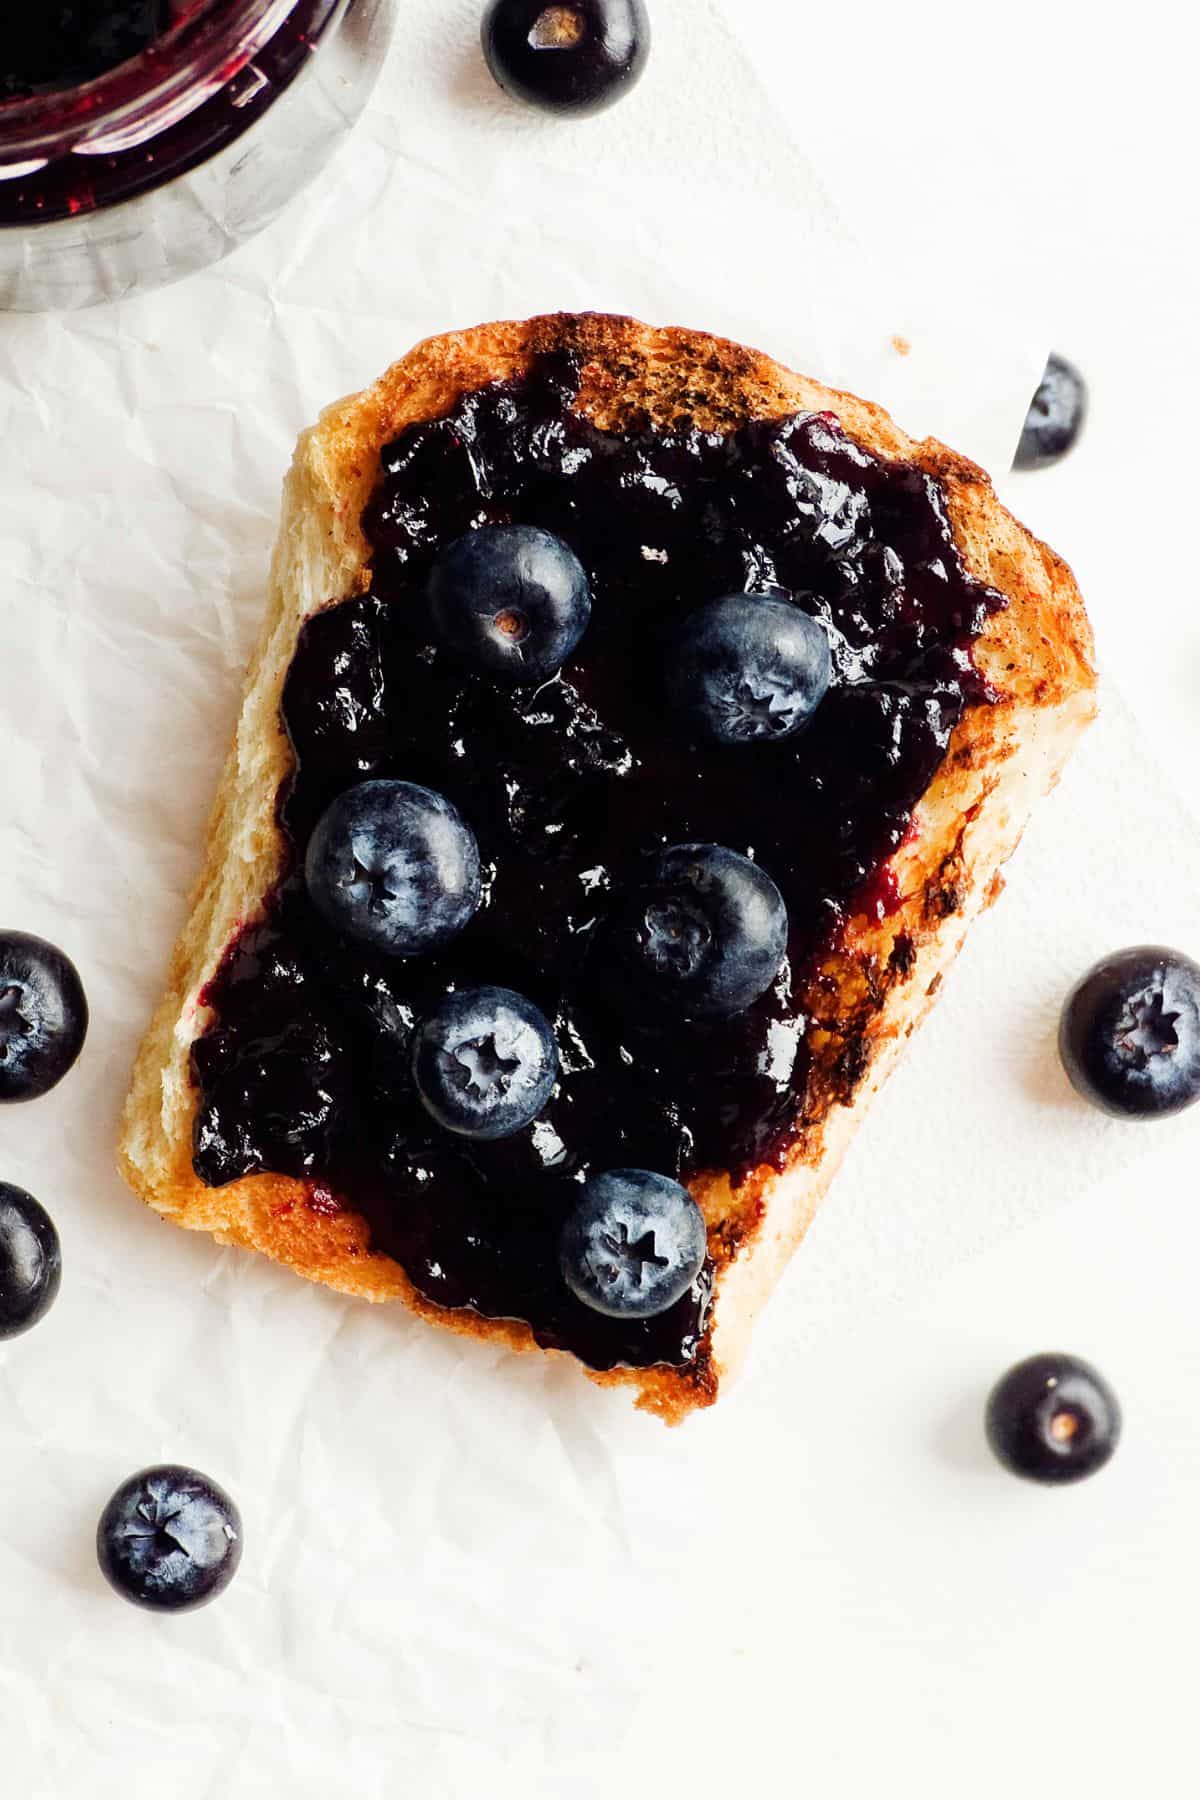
{"type": "Point", "coordinates": [871, 991]}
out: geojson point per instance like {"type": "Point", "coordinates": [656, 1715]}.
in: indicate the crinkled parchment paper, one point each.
{"type": "Point", "coordinates": [462, 1568]}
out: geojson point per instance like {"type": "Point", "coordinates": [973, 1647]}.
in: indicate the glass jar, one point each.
{"type": "Point", "coordinates": [174, 159]}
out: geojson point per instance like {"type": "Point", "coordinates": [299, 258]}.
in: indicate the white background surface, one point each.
{"type": "Point", "coordinates": [509, 1583]}
{"type": "Point", "coordinates": [1038, 158]}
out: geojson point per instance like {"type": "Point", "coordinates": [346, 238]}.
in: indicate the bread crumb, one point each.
{"type": "Point", "coordinates": [901, 345]}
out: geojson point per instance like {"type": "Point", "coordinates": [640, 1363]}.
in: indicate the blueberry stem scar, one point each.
{"type": "Point", "coordinates": [1147, 1029]}
{"type": "Point", "coordinates": [558, 28]}
{"type": "Point", "coordinates": [632, 1257]}
{"type": "Point", "coordinates": [159, 1528]}
{"type": "Point", "coordinates": [13, 1022]}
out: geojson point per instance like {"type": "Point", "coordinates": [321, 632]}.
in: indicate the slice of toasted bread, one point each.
{"type": "Point", "coordinates": [870, 992]}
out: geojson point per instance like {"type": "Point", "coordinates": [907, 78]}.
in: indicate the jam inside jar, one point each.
{"type": "Point", "coordinates": [141, 140]}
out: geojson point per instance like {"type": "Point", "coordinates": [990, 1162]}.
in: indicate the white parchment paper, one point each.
{"type": "Point", "coordinates": [462, 1567]}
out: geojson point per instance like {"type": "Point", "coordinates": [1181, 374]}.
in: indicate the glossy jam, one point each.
{"type": "Point", "coordinates": [305, 1070]}
{"type": "Point", "coordinates": [64, 187]}
{"type": "Point", "coordinates": [50, 45]}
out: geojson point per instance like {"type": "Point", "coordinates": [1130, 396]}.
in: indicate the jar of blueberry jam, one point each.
{"type": "Point", "coordinates": [144, 139]}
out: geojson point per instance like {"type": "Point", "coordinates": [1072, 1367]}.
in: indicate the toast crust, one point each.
{"type": "Point", "coordinates": [872, 989]}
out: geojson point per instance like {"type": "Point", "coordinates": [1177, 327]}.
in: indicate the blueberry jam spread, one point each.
{"type": "Point", "coordinates": [573, 788]}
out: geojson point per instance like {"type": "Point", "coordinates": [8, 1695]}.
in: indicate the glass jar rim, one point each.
{"type": "Point", "coordinates": [199, 53]}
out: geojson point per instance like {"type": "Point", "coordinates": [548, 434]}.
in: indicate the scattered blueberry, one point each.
{"type": "Point", "coordinates": [1053, 1419]}
{"type": "Point", "coordinates": [485, 1062]}
{"type": "Point", "coordinates": [634, 1244]}
{"type": "Point", "coordinates": [704, 932]}
{"type": "Point", "coordinates": [169, 1539]}
{"type": "Point", "coordinates": [1129, 1036]}
{"type": "Point", "coordinates": [30, 1261]}
{"type": "Point", "coordinates": [511, 599]}
{"type": "Point", "coordinates": [1056, 416]}
{"type": "Point", "coordinates": [576, 57]}
{"type": "Point", "coordinates": [749, 667]}
{"type": "Point", "coordinates": [43, 1016]}
{"type": "Point", "coordinates": [394, 867]}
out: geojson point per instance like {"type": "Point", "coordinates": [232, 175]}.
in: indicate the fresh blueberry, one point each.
{"type": "Point", "coordinates": [43, 1016]}
{"type": "Point", "coordinates": [576, 57]}
{"type": "Point", "coordinates": [703, 933]}
{"type": "Point", "coordinates": [394, 867]}
{"type": "Point", "coordinates": [169, 1539]}
{"type": "Point", "coordinates": [485, 1062]}
{"type": "Point", "coordinates": [30, 1261]}
{"type": "Point", "coordinates": [749, 667]}
{"type": "Point", "coordinates": [1052, 1418]}
{"type": "Point", "coordinates": [634, 1244]}
{"type": "Point", "coordinates": [512, 600]}
{"type": "Point", "coordinates": [1056, 416]}
{"type": "Point", "coordinates": [1129, 1036]}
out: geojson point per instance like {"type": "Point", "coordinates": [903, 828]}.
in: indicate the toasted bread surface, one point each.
{"type": "Point", "coordinates": [871, 990]}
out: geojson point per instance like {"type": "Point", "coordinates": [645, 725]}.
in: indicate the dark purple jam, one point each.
{"type": "Point", "coordinates": [49, 45]}
{"type": "Point", "coordinates": [74, 42]}
{"type": "Point", "coordinates": [305, 1071]}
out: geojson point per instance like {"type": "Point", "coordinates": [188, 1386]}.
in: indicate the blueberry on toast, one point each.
{"type": "Point", "coordinates": [722, 702]}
